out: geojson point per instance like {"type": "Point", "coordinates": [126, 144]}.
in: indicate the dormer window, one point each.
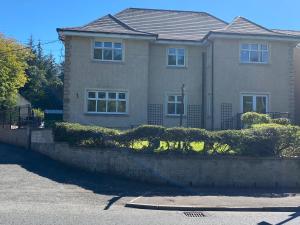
{"type": "Point", "coordinates": [176, 57]}
{"type": "Point", "coordinates": [254, 53]}
{"type": "Point", "coordinates": [108, 51]}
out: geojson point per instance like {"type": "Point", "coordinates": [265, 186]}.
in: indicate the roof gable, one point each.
{"type": "Point", "coordinates": [245, 26]}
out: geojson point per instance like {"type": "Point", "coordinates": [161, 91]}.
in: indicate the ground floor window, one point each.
{"type": "Point", "coordinates": [107, 102]}
{"type": "Point", "coordinates": [255, 103]}
{"type": "Point", "coordinates": [174, 105]}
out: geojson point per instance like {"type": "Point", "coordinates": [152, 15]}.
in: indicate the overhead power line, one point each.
{"type": "Point", "coordinates": [28, 47]}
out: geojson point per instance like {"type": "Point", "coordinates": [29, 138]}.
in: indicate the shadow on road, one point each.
{"type": "Point", "coordinates": [113, 185]}
{"type": "Point", "coordinates": [291, 217]}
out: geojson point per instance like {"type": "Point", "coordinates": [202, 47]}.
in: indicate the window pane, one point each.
{"type": "Point", "coordinates": [179, 98]}
{"type": "Point", "coordinates": [264, 47]}
{"type": "Point", "coordinates": [172, 51]}
{"type": "Point", "coordinates": [101, 94]}
{"type": "Point", "coordinates": [91, 94]}
{"type": "Point", "coordinates": [180, 108]}
{"type": "Point", "coordinates": [180, 51]}
{"type": "Point", "coordinates": [107, 54]}
{"type": "Point", "coordinates": [101, 106]}
{"type": "Point", "coordinates": [171, 108]}
{"type": "Point", "coordinates": [97, 53]}
{"type": "Point", "coordinates": [117, 54]}
{"type": "Point", "coordinates": [247, 104]}
{"type": "Point", "coordinates": [265, 57]}
{"type": "Point", "coordinates": [172, 60]}
{"type": "Point", "coordinates": [122, 106]}
{"type": "Point", "coordinates": [111, 106]}
{"type": "Point", "coordinates": [261, 104]}
{"type": "Point", "coordinates": [112, 95]}
{"type": "Point", "coordinates": [245, 46]}
{"type": "Point", "coordinates": [244, 56]}
{"type": "Point", "coordinates": [171, 98]}
{"type": "Point", "coordinates": [91, 105]}
{"type": "Point", "coordinates": [254, 56]}
{"type": "Point", "coordinates": [117, 45]}
{"type": "Point", "coordinates": [107, 44]}
{"type": "Point", "coordinates": [254, 46]}
{"type": "Point", "coordinates": [122, 96]}
{"type": "Point", "coordinates": [98, 44]}
{"type": "Point", "coordinates": [180, 60]}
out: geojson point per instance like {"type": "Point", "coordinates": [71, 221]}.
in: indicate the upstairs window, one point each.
{"type": "Point", "coordinates": [176, 57]}
{"type": "Point", "coordinates": [107, 102]}
{"type": "Point", "coordinates": [108, 51]}
{"type": "Point", "coordinates": [254, 53]}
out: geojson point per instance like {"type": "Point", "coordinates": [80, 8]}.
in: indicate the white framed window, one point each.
{"type": "Point", "coordinates": [107, 102]}
{"type": "Point", "coordinates": [108, 51]}
{"type": "Point", "coordinates": [176, 57]}
{"type": "Point", "coordinates": [174, 105]}
{"type": "Point", "coordinates": [254, 53]}
{"type": "Point", "coordinates": [254, 103]}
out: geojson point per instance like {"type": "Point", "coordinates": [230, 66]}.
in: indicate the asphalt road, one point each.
{"type": "Point", "coordinates": [36, 190]}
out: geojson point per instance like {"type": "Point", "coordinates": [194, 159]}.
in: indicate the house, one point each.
{"type": "Point", "coordinates": [128, 69]}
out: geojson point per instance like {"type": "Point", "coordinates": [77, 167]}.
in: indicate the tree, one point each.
{"type": "Point", "coordinates": [44, 88]}
{"type": "Point", "coordinates": [13, 63]}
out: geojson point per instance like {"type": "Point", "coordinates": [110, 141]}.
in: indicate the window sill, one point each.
{"type": "Point", "coordinates": [174, 116]}
{"type": "Point", "coordinates": [107, 114]}
{"type": "Point", "coordinates": [108, 61]}
{"type": "Point", "coordinates": [176, 67]}
{"type": "Point", "coordinates": [255, 63]}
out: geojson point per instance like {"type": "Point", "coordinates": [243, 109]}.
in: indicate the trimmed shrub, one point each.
{"type": "Point", "coordinates": [282, 121]}
{"type": "Point", "coordinates": [268, 140]}
{"type": "Point", "coordinates": [260, 140]}
{"type": "Point", "coordinates": [181, 138]}
{"type": "Point", "coordinates": [76, 134]}
{"type": "Point", "coordinates": [250, 118]}
{"type": "Point", "coordinates": [150, 133]}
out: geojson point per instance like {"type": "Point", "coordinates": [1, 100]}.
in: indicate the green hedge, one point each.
{"type": "Point", "coordinates": [259, 140]}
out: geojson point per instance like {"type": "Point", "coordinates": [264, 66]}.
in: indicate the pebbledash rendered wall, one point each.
{"type": "Point", "coordinates": [186, 170]}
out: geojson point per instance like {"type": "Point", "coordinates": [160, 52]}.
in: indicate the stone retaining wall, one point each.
{"type": "Point", "coordinates": [185, 170]}
{"type": "Point", "coordinates": [18, 137]}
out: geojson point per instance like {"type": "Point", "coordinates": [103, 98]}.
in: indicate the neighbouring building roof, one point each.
{"type": "Point", "coordinates": [174, 25]}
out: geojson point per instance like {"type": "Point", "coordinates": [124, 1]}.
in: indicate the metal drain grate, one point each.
{"type": "Point", "coordinates": [194, 214]}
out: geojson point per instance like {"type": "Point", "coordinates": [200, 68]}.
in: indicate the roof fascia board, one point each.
{"type": "Point", "coordinates": [194, 43]}
{"type": "Point", "coordinates": [252, 36]}
{"type": "Point", "coordinates": [104, 35]}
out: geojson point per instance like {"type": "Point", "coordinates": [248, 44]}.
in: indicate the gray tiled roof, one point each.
{"type": "Point", "coordinates": [174, 25]}
{"type": "Point", "coordinates": [171, 24]}
{"type": "Point", "coordinates": [107, 24]}
{"type": "Point", "coordinates": [288, 32]}
{"type": "Point", "coordinates": [241, 25]}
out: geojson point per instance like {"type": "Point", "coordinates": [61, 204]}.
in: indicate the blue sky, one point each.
{"type": "Point", "coordinates": [21, 18]}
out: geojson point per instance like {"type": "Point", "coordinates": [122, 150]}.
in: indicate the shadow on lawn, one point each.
{"type": "Point", "coordinates": [114, 185]}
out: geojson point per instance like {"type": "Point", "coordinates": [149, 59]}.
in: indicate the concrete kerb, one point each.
{"type": "Point", "coordinates": [199, 208]}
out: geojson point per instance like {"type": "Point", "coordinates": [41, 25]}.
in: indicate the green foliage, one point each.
{"type": "Point", "coordinates": [76, 134]}
{"type": "Point", "coordinates": [260, 140]}
{"type": "Point", "coordinates": [282, 121]}
{"type": "Point", "coordinates": [45, 87]}
{"type": "Point", "coordinates": [250, 118]}
{"type": "Point", "coordinates": [38, 113]}
{"type": "Point", "coordinates": [13, 63]}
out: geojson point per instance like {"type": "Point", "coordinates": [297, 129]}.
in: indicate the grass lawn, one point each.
{"type": "Point", "coordinates": [138, 145]}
